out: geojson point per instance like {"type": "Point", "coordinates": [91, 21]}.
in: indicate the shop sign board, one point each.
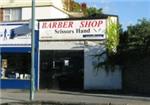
{"type": "Point", "coordinates": [15, 35]}
{"type": "Point", "coordinates": [91, 29]}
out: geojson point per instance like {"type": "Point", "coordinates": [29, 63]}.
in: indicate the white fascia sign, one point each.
{"type": "Point", "coordinates": [94, 29]}
{"type": "Point", "coordinates": [15, 35]}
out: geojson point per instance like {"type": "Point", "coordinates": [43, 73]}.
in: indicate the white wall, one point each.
{"type": "Point", "coordinates": [55, 13]}
{"type": "Point", "coordinates": [43, 13]}
{"type": "Point", "coordinates": [61, 45]}
{"type": "Point", "coordinates": [57, 3]}
{"type": "Point", "coordinates": [100, 79]}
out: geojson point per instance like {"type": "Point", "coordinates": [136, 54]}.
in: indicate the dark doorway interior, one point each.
{"type": "Point", "coordinates": [62, 70]}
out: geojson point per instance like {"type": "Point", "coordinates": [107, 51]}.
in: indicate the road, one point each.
{"type": "Point", "coordinates": [73, 97]}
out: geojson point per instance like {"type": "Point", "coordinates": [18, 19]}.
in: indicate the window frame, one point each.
{"type": "Point", "coordinates": [9, 15]}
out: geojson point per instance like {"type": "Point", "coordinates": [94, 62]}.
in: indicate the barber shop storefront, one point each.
{"type": "Point", "coordinates": [15, 55]}
{"type": "Point", "coordinates": [62, 51]}
{"type": "Point", "coordinates": [67, 49]}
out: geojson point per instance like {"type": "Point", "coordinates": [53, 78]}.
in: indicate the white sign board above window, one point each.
{"type": "Point", "coordinates": [94, 29]}
{"type": "Point", "coordinates": [15, 35]}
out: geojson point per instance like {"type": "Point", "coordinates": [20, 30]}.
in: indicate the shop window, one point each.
{"type": "Point", "coordinates": [15, 66]}
{"type": "Point", "coordinates": [12, 14]}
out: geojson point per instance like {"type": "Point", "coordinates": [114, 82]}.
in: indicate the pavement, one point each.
{"type": "Point", "coordinates": [72, 97]}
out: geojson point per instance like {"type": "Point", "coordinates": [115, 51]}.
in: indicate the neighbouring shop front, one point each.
{"type": "Point", "coordinates": [15, 55]}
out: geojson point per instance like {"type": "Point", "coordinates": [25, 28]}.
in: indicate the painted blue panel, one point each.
{"type": "Point", "coordinates": [36, 59]}
{"type": "Point", "coordinates": [16, 49]}
{"type": "Point", "coordinates": [14, 84]}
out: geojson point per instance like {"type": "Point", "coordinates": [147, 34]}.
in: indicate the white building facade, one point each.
{"type": "Point", "coordinates": [66, 46]}
{"type": "Point", "coordinates": [16, 10]}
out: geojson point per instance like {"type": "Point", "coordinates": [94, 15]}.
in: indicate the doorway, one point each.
{"type": "Point", "coordinates": [61, 69]}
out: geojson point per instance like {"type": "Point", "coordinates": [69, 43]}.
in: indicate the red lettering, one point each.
{"type": "Point", "coordinates": [44, 25]}
{"type": "Point", "coordinates": [91, 23]}
{"type": "Point", "coordinates": [86, 24]}
{"type": "Point", "coordinates": [54, 25]}
{"type": "Point", "coordinates": [65, 25]}
{"type": "Point", "coordinates": [94, 24]}
{"type": "Point", "coordinates": [57, 24]}
{"type": "Point", "coordinates": [49, 25]}
{"type": "Point", "coordinates": [70, 25]}
{"type": "Point", "coordinates": [60, 25]}
{"type": "Point", "coordinates": [82, 24]}
{"type": "Point", "coordinates": [99, 23]}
